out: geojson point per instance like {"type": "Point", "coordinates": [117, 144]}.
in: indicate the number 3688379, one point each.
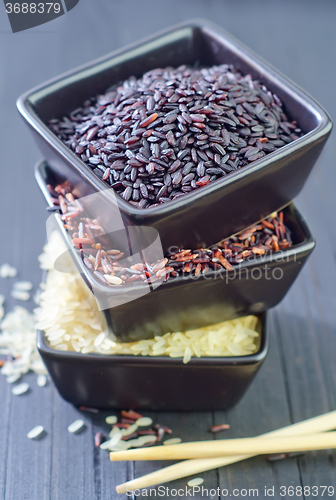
{"type": "Point", "coordinates": [33, 8]}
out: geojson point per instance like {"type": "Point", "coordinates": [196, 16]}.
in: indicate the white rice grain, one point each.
{"type": "Point", "coordinates": [14, 377]}
{"type": "Point", "coordinates": [20, 389]}
{"type": "Point", "coordinates": [7, 271]}
{"type": "Point", "coordinates": [146, 439]}
{"type": "Point", "coordinates": [18, 341]}
{"type": "Point", "coordinates": [23, 285]}
{"type": "Point", "coordinates": [113, 280]}
{"type": "Point", "coordinates": [20, 295]}
{"type": "Point", "coordinates": [111, 419]}
{"type": "Point", "coordinates": [134, 443]}
{"type": "Point", "coordinates": [187, 355]}
{"type": "Point", "coordinates": [36, 432]}
{"type": "Point", "coordinates": [12, 272]}
{"type": "Point", "coordinates": [120, 446]}
{"type": "Point", "coordinates": [76, 426]}
{"type": "Point", "coordinates": [115, 437]}
{"type": "Point", "coordinates": [144, 422]}
{"type": "Point", "coordinates": [168, 442]}
{"type": "Point", "coordinates": [100, 338]}
{"type": "Point", "coordinates": [42, 380]}
{"type": "Point", "coordinates": [195, 482]}
{"type": "Point", "coordinates": [129, 430]}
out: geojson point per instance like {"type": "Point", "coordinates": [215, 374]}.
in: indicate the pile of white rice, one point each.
{"type": "Point", "coordinates": [70, 318]}
{"type": "Point", "coordinates": [18, 342]}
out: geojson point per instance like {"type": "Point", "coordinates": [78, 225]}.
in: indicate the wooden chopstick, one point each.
{"type": "Point", "coordinates": [250, 446]}
{"type": "Point", "coordinates": [186, 468]}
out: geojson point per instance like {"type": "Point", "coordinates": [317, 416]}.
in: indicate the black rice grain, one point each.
{"type": "Point", "coordinates": [205, 122]}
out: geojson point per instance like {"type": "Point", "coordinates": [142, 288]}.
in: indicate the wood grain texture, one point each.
{"type": "Point", "coordinates": [298, 379]}
{"type": "Point", "coordinates": [266, 399]}
{"type": "Point", "coordinates": [189, 427]}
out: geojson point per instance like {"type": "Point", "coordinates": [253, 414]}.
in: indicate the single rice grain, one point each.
{"type": "Point", "coordinates": [195, 482]}
{"type": "Point", "coordinates": [36, 432]}
{"type": "Point", "coordinates": [76, 426]}
{"type": "Point", "coordinates": [20, 389]}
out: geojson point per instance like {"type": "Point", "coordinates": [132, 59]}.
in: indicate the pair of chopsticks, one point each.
{"type": "Point", "coordinates": [304, 436]}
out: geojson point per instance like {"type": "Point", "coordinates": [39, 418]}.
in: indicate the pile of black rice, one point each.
{"type": "Point", "coordinates": [175, 130]}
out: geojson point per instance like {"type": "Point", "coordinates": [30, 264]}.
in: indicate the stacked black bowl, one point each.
{"type": "Point", "coordinates": [265, 136]}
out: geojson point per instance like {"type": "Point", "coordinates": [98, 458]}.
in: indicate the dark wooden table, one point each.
{"type": "Point", "coordinates": [298, 379]}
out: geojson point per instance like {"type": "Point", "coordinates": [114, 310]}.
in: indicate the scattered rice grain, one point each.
{"type": "Point", "coordinates": [134, 443]}
{"type": "Point", "coordinates": [36, 432]}
{"type": "Point", "coordinates": [147, 439]}
{"type": "Point", "coordinates": [121, 446]}
{"type": "Point", "coordinates": [115, 437]}
{"type": "Point", "coordinates": [144, 422]}
{"type": "Point", "coordinates": [129, 430]}
{"type": "Point", "coordinates": [20, 389]}
{"type": "Point", "coordinates": [195, 482]}
{"type": "Point", "coordinates": [111, 419]}
{"type": "Point", "coordinates": [42, 380]}
{"type": "Point", "coordinates": [172, 441]}
{"type": "Point", "coordinates": [20, 295]}
{"type": "Point", "coordinates": [76, 426]}
{"type": "Point", "coordinates": [25, 286]}
{"type": "Point", "coordinates": [7, 271]}
{"type": "Point", "coordinates": [14, 377]}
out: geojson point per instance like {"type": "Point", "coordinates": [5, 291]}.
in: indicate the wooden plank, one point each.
{"type": "Point", "coordinates": [309, 334]}
{"type": "Point", "coordinates": [264, 408]}
{"type": "Point", "coordinates": [85, 471]}
{"type": "Point", "coordinates": [106, 474]}
{"type": "Point", "coordinates": [298, 379]}
{"type": "Point", "coordinates": [6, 408]}
{"type": "Point", "coordinates": [189, 426]}
{"type": "Point", "coordinates": [308, 331]}
{"type": "Point", "coordinates": [28, 462]}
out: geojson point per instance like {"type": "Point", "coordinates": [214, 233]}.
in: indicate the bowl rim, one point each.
{"type": "Point", "coordinates": [126, 359]}
{"type": "Point", "coordinates": [25, 107]}
{"type": "Point", "coordinates": [307, 245]}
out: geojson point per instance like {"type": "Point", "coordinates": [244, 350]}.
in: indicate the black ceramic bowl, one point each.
{"type": "Point", "coordinates": [153, 383]}
{"type": "Point", "coordinates": [234, 202]}
{"type": "Point", "coordinates": [188, 303]}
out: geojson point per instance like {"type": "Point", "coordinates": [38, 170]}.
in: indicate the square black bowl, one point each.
{"type": "Point", "coordinates": [187, 303]}
{"type": "Point", "coordinates": [235, 201]}
{"type": "Point", "coordinates": [153, 383]}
